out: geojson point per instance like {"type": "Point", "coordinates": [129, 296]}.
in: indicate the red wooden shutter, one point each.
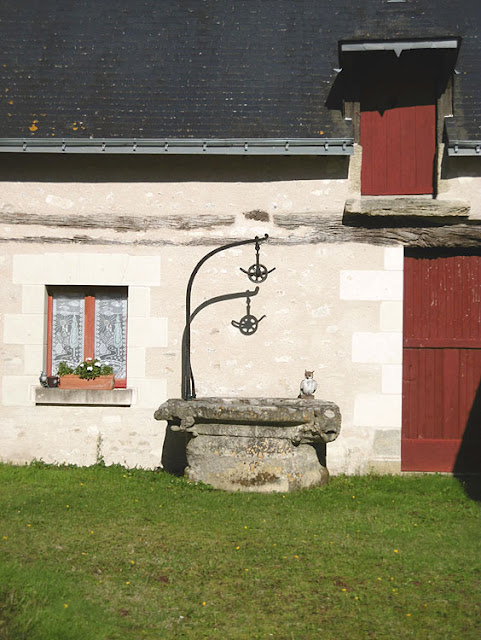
{"type": "Point", "coordinates": [441, 428]}
{"type": "Point", "coordinates": [398, 148]}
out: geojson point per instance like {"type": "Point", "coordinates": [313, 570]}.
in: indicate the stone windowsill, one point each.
{"type": "Point", "coordinates": [400, 209]}
{"type": "Point", "coordinates": [86, 397]}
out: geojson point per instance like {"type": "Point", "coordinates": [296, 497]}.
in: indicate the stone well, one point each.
{"type": "Point", "coordinates": [254, 444]}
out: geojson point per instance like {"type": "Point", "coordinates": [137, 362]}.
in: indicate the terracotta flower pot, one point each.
{"type": "Point", "coordinates": [72, 381]}
{"type": "Point", "coordinates": [52, 381]}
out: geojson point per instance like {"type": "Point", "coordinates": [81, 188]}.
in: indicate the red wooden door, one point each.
{"type": "Point", "coordinates": [441, 428]}
{"type": "Point", "coordinates": [398, 148]}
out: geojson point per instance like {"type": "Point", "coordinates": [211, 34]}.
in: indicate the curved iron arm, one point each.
{"type": "Point", "coordinates": [226, 296]}
{"type": "Point", "coordinates": [203, 305]}
{"type": "Point", "coordinates": [188, 392]}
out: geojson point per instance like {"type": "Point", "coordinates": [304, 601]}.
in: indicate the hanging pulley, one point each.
{"type": "Point", "coordinates": [248, 324]}
{"type": "Point", "coordinates": [257, 272]}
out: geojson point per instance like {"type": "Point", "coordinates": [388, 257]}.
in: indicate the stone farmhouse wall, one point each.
{"type": "Point", "coordinates": [334, 304]}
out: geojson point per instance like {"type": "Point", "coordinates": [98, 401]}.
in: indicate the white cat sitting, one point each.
{"type": "Point", "coordinates": [308, 385]}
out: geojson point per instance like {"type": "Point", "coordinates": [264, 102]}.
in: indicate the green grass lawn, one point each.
{"type": "Point", "coordinates": [107, 553]}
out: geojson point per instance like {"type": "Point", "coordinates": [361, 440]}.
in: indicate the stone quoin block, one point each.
{"type": "Point", "coordinates": [16, 390]}
{"type": "Point", "coordinates": [147, 332]}
{"type": "Point", "coordinates": [136, 362]}
{"type": "Point", "coordinates": [371, 285]}
{"type": "Point", "coordinates": [86, 268]}
{"type": "Point", "coordinates": [34, 297]}
{"type": "Point", "coordinates": [23, 329]}
{"type": "Point", "coordinates": [377, 410]}
{"type": "Point", "coordinates": [391, 316]}
{"type": "Point", "coordinates": [392, 378]}
{"type": "Point", "coordinates": [394, 258]}
{"type": "Point", "coordinates": [139, 302]}
{"type": "Point", "coordinates": [381, 348]}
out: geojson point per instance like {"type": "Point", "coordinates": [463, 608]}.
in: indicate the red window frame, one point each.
{"type": "Point", "coordinates": [89, 329]}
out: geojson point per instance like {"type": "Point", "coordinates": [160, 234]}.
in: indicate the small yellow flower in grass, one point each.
{"type": "Point", "coordinates": [68, 506]}
{"type": "Point", "coordinates": [296, 557]}
{"type": "Point", "coordinates": [343, 589]}
{"type": "Point", "coordinates": [65, 606]}
{"type": "Point", "coordinates": [274, 545]}
{"type": "Point", "coordinates": [356, 598]}
{"type": "Point", "coordinates": [396, 551]}
{"type": "Point", "coordinates": [246, 527]}
{"type": "Point", "coordinates": [204, 603]}
{"type": "Point", "coordinates": [132, 562]}
{"type": "Point", "coordinates": [408, 615]}
{"type": "Point", "coordinates": [83, 553]}
{"type": "Point", "coordinates": [5, 537]}
{"type": "Point", "coordinates": [127, 582]}
{"type": "Point", "coordinates": [353, 497]}
{"type": "Point", "coordinates": [29, 525]}
{"type": "Point", "coordinates": [237, 548]}
{"type": "Point", "coordinates": [379, 578]}
{"type": "Point", "coordinates": [246, 569]}
{"type": "Point", "coordinates": [91, 533]}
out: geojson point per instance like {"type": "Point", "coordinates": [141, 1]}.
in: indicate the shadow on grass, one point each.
{"type": "Point", "coordinates": [18, 614]}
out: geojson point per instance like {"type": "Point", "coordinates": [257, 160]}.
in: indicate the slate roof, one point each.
{"type": "Point", "coordinates": [207, 68]}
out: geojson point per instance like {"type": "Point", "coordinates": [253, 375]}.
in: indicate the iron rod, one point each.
{"type": "Point", "coordinates": [188, 386]}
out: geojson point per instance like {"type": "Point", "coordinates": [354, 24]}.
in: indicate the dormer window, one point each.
{"type": "Point", "coordinates": [400, 93]}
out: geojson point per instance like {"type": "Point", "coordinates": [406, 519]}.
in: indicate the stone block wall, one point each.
{"type": "Point", "coordinates": [378, 409]}
{"type": "Point", "coordinates": [333, 304]}
{"type": "Point", "coordinates": [315, 319]}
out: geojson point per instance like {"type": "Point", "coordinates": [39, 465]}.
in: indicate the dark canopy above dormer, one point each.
{"type": "Point", "coordinates": [206, 70]}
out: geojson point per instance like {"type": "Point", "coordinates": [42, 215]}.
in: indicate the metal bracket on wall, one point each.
{"type": "Point", "coordinates": [247, 325]}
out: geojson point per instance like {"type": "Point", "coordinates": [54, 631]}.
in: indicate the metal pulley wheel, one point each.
{"type": "Point", "coordinates": [248, 324]}
{"type": "Point", "coordinates": [257, 273]}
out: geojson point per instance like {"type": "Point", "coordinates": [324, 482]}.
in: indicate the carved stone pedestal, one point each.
{"type": "Point", "coordinates": [254, 444]}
